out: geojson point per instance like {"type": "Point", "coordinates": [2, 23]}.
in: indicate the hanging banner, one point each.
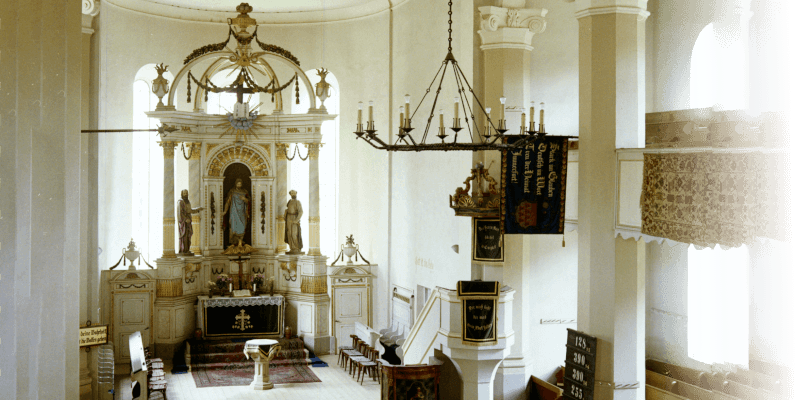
{"type": "Point", "coordinates": [534, 184]}
{"type": "Point", "coordinates": [478, 312]}
{"type": "Point", "coordinates": [486, 244]}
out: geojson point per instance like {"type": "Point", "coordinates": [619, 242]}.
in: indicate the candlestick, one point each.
{"type": "Point", "coordinates": [441, 118]}
{"type": "Point", "coordinates": [230, 287]}
{"type": "Point", "coordinates": [533, 103]}
{"type": "Point", "coordinates": [402, 119]}
{"type": "Point", "coordinates": [360, 105]}
{"type": "Point", "coordinates": [502, 109]}
{"type": "Point", "coordinates": [488, 117]}
{"type": "Point", "coordinates": [455, 108]}
{"type": "Point", "coordinates": [254, 288]}
{"type": "Point", "coordinates": [370, 112]}
{"type": "Point", "coordinates": [522, 123]}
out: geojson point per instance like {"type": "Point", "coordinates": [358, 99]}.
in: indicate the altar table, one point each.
{"type": "Point", "coordinates": [221, 317]}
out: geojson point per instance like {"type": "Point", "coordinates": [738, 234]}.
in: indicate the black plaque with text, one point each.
{"type": "Point", "coordinates": [580, 366]}
{"type": "Point", "coordinates": [478, 323]}
{"type": "Point", "coordinates": [486, 234]}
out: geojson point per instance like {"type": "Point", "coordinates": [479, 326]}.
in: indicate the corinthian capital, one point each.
{"type": "Point", "coordinates": [504, 27]}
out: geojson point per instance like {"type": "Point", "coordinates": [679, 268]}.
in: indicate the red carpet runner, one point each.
{"type": "Point", "coordinates": [223, 363]}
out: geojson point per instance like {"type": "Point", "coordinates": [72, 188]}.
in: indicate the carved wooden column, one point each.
{"type": "Point", "coordinates": [194, 194]}
{"type": "Point", "coordinates": [169, 199]}
{"type": "Point", "coordinates": [313, 198]}
{"type": "Point", "coordinates": [281, 177]}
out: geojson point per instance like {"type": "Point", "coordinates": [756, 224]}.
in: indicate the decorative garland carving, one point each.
{"type": "Point", "coordinates": [209, 48]}
{"type": "Point", "coordinates": [277, 50]}
{"type": "Point", "coordinates": [243, 154]}
{"type": "Point", "coordinates": [213, 207]}
{"type": "Point", "coordinates": [263, 211]}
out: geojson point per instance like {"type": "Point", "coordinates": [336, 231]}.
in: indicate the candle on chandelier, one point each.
{"type": "Point", "coordinates": [533, 103]}
{"type": "Point", "coordinates": [360, 106]}
{"type": "Point", "coordinates": [455, 107]}
{"type": "Point", "coordinates": [370, 112]}
{"type": "Point", "coordinates": [488, 117]}
{"type": "Point", "coordinates": [522, 123]}
{"type": "Point", "coordinates": [408, 105]}
{"type": "Point", "coordinates": [541, 113]}
{"type": "Point", "coordinates": [402, 120]}
{"type": "Point", "coordinates": [441, 118]}
{"type": "Point", "coordinates": [502, 109]}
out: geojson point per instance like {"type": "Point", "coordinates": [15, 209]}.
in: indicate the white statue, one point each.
{"type": "Point", "coordinates": [292, 236]}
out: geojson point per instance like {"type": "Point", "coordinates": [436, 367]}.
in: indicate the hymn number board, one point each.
{"type": "Point", "coordinates": [580, 366]}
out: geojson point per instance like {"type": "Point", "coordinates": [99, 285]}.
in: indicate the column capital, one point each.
{"type": "Point", "coordinates": [280, 151]}
{"type": "Point", "coordinates": [169, 148]}
{"type": "Point", "coordinates": [313, 149]}
{"type": "Point", "coordinates": [585, 8]}
{"type": "Point", "coordinates": [90, 9]}
{"type": "Point", "coordinates": [510, 28]}
{"type": "Point", "coordinates": [194, 149]}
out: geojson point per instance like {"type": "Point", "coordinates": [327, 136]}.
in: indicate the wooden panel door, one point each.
{"type": "Point", "coordinates": [350, 304]}
{"type": "Point", "coordinates": [131, 314]}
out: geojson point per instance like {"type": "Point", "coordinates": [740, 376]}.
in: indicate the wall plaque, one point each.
{"type": "Point", "coordinates": [486, 240]}
{"type": "Point", "coordinates": [93, 335]}
{"type": "Point", "coordinates": [580, 365]}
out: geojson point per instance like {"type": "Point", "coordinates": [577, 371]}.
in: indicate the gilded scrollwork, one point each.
{"type": "Point", "coordinates": [484, 199]}
{"type": "Point", "coordinates": [242, 154]}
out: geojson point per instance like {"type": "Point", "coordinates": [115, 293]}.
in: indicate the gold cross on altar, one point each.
{"type": "Point", "coordinates": [242, 321]}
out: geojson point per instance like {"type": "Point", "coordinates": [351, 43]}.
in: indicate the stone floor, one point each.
{"type": "Point", "coordinates": [336, 384]}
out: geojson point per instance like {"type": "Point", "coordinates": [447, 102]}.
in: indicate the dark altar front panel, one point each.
{"type": "Point", "coordinates": [410, 382]}
{"type": "Point", "coordinates": [243, 317]}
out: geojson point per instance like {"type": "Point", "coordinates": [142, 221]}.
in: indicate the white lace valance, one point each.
{"type": "Point", "coordinates": [244, 301]}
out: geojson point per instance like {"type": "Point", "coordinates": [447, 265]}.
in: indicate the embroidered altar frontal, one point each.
{"type": "Point", "coordinates": [533, 186]}
{"type": "Point", "coordinates": [247, 316]}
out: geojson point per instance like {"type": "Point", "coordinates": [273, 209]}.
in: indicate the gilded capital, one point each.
{"type": "Point", "coordinates": [313, 149]}
{"type": "Point", "coordinates": [169, 149]}
{"type": "Point", "coordinates": [194, 148]}
{"type": "Point", "coordinates": [280, 151]}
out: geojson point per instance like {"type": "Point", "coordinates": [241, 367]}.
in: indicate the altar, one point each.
{"type": "Point", "coordinates": [255, 316]}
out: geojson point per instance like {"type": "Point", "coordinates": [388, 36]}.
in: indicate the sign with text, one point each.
{"type": "Point", "coordinates": [534, 183]}
{"type": "Point", "coordinates": [93, 335]}
{"type": "Point", "coordinates": [580, 365]}
{"type": "Point", "coordinates": [486, 243]}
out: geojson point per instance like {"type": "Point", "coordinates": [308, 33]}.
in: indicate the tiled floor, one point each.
{"type": "Point", "coordinates": [336, 384]}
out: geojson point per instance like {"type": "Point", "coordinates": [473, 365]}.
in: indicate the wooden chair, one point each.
{"type": "Point", "coordinates": [349, 354]}
{"type": "Point", "coordinates": [539, 389]}
{"type": "Point", "coordinates": [369, 366]}
{"type": "Point", "coordinates": [363, 349]}
{"type": "Point", "coordinates": [343, 348]}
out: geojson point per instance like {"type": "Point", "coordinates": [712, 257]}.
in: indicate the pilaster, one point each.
{"type": "Point", "coordinates": [194, 194]}
{"type": "Point", "coordinates": [169, 197]}
{"type": "Point", "coordinates": [304, 280]}
{"type": "Point", "coordinates": [281, 196]}
{"type": "Point", "coordinates": [313, 198]}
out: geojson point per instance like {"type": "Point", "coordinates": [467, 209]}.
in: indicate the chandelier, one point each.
{"type": "Point", "coordinates": [491, 137]}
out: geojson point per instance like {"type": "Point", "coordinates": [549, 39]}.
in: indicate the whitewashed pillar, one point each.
{"type": "Point", "coordinates": [506, 35]}
{"type": "Point", "coordinates": [281, 184]}
{"type": "Point", "coordinates": [194, 194]}
{"type": "Point", "coordinates": [169, 198]}
{"type": "Point", "coordinates": [313, 198]}
{"type": "Point", "coordinates": [610, 270]}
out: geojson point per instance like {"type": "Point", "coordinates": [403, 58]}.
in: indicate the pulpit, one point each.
{"type": "Point", "coordinates": [221, 317]}
{"type": "Point", "coordinates": [261, 351]}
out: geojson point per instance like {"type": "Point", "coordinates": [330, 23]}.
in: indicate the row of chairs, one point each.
{"type": "Point", "coordinates": [157, 381]}
{"type": "Point", "coordinates": [360, 359]}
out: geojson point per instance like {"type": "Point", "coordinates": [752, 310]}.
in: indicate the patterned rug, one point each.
{"type": "Point", "coordinates": [223, 363]}
{"type": "Point", "coordinates": [240, 374]}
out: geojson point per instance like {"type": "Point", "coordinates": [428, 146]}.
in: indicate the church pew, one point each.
{"type": "Point", "coordinates": [723, 396]}
{"type": "Point", "coordinates": [654, 393]}
{"type": "Point", "coordinates": [741, 391]}
{"type": "Point", "coordinates": [660, 381]}
{"type": "Point", "coordinates": [689, 375]}
{"type": "Point", "coordinates": [542, 390]}
{"type": "Point", "coordinates": [755, 379]}
{"type": "Point", "coordinates": [693, 392]}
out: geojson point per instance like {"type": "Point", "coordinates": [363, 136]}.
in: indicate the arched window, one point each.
{"type": "Point", "coordinates": [718, 305]}
{"type": "Point", "coordinates": [147, 168]}
{"type": "Point", "coordinates": [718, 71]}
{"type": "Point", "coordinates": [328, 166]}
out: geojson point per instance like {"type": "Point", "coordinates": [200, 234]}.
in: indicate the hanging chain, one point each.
{"type": "Point", "coordinates": [183, 151]}
{"type": "Point", "coordinates": [450, 27]}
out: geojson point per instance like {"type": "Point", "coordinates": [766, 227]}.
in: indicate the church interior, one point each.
{"type": "Point", "coordinates": [361, 199]}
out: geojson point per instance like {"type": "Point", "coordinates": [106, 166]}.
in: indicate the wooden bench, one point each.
{"type": "Point", "coordinates": [741, 391]}
{"type": "Point", "coordinates": [755, 379]}
{"type": "Point", "coordinates": [654, 393]}
{"type": "Point", "coordinates": [691, 376]}
{"type": "Point", "coordinates": [541, 390]}
{"type": "Point", "coordinates": [684, 389]}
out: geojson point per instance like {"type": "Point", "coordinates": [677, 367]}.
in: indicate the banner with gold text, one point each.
{"type": "Point", "coordinates": [534, 183]}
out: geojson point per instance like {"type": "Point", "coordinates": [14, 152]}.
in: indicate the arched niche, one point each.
{"type": "Point", "coordinates": [233, 172]}
{"type": "Point", "coordinates": [258, 164]}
